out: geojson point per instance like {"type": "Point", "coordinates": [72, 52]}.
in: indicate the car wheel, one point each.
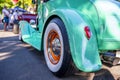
{"type": "Point", "coordinates": [56, 47]}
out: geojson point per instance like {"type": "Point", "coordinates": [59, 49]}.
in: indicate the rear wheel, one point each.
{"type": "Point", "coordinates": [56, 48]}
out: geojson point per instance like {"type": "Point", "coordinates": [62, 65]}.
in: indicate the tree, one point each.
{"type": "Point", "coordinates": [25, 3]}
{"type": "Point", "coordinates": [9, 4]}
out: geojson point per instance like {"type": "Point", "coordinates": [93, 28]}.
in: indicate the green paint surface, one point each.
{"type": "Point", "coordinates": [101, 16]}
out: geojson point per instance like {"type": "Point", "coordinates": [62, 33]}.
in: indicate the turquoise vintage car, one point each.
{"type": "Point", "coordinates": [79, 32]}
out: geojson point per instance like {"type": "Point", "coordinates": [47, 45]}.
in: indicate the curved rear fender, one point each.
{"type": "Point", "coordinates": [84, 52]}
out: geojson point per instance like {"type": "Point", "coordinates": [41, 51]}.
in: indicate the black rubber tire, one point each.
{"type": "Point", "coordinates": [59, 69]}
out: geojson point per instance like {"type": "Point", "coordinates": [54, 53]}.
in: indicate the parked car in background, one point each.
{"type": "Point", "coordinates": [27, 17]}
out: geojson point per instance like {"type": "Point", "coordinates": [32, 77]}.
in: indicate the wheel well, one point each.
{"type": "Point", "coordinates": [45, 26]}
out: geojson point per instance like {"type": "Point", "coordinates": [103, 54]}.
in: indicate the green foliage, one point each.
{"type": "Point", "coordinates": [22, 3]}
{"type": "Point", "coordinates": [3, 3]}
{"type": "Point", "coordinates": [25, 3]}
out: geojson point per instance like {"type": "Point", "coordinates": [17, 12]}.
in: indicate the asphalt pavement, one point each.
{"type": "Point", "coordinates": [20, 61]}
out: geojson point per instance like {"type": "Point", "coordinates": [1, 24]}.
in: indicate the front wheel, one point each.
{"type": "Point", "coordinates": [56, 47]}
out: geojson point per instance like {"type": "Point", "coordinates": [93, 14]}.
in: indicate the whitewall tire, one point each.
{"type": "Point", "coordinates": [56, 47]}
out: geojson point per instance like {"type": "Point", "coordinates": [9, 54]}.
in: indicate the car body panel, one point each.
{"type": "Point", "coordinates": [76, 15]}
{"type": "Point", "coordinates": [109, 13]}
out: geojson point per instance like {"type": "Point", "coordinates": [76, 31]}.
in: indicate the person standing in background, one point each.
{"type": "Point", "coordinates": [11, 19]}
{"type": "Point", "coordinates": [15, 16]}
{"type": "Point", "coordinates": [5, 12]}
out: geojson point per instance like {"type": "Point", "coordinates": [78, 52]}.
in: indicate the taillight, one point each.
{"type": "Point", "coordinates": [87, 32]}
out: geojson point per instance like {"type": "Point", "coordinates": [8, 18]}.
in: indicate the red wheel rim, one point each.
{"type": "Point", "coordinates": [53, 47]}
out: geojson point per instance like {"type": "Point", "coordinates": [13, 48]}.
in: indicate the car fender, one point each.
{"type": "Point", "coordinates": [84, 52]}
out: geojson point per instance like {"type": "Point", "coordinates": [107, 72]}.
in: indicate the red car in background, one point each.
{"type": "Point", "coordinates": [28, 17]}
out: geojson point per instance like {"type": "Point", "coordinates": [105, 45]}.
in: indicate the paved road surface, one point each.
{"type": "Point", "coordinates": [20, 61]}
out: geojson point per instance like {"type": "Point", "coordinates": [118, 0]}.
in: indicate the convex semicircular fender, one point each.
{"type": "Point", "coordinates": [84, 52]}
